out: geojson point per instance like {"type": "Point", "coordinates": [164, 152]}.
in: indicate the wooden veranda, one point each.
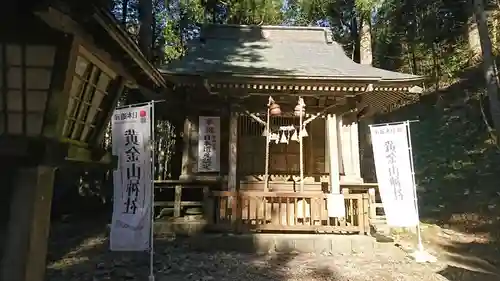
{"type": "Point", "coordinates": [271, 134]}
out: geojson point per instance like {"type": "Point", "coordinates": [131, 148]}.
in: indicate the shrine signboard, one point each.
{"type": "Point", "coordinates": [209, 144]}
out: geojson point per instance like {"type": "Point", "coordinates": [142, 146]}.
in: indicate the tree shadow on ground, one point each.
{"type": "Point", "coordinates": [453, 273]}
{"type": "Point", "coordinates": [457, 171]}
{"type": "Point", "coordinates": [174, 260]}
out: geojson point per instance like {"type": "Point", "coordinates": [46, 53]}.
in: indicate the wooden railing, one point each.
{"type": "Point", "coordinates": [177, 203]}
{"type": "Point", "coordinates": [248, 211]}
{"type": "Point", "coordinates": [377, 214]}
{"type": "Point", "coordinates": [273, 211]}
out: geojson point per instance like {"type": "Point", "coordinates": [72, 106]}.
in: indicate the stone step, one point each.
{"type": "Point", "coordinates": [287, 243]}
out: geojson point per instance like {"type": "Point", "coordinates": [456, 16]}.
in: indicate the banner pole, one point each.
{"type": "Point", "coordinates": [152, 147]}
{"type": "Point", "coordinates": [139, 104]}
{"type": "Point", "coordinates": [394, 123]}
{"type": "Point", "coordinates": [420, 254]}
{"type": "Point", "coordinates": [410, 148]}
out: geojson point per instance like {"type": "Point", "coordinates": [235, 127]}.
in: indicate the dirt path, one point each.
{"type": "Point", "coordinates": [84, 255]}
{"type": "Point", "coordinates": [467, 256]}
{"type": "Point", "coordinates": [92, 261]}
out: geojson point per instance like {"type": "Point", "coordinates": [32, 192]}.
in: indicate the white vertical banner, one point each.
{"type": "Point", "coordinates": [132, 199]}
{"type": "Point", "coordinates": [209, 144]}
{"type": "Point", "coordinates": [393, 166]}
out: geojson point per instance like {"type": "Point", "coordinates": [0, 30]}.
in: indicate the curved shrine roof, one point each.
{"type": "Point", "coordinates": [276, 51]}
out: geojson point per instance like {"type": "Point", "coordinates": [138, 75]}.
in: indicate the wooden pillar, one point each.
{"type": "Point", "coordinates": [232, 177]}
{"type": "Point", "coordinates": [349, 138]}
{"type": "Point", "coordinates": [356, 163]}
{"type": "Point", "coordinates": [367, 163]}
{"type": "Point", "coordinates": [311, 159]}
{"type": "Point", "coordinates": [25, 249]}
{"type": "Point", "coordinates": [187, 150]}
{"type": "Point", "coordinates": [332, 153]}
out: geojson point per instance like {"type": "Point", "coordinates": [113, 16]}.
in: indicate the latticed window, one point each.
{"type": "Point", "coordinates": [25, 77]}
{"type": "Point", "coordinates": [88, 95]}
{"type": "Point", "coordinates": [284, 158]}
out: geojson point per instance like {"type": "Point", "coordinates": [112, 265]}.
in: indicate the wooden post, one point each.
{"type": "Point", "coordinates": [333, 153]}
{"type": "Point", "coordinates": [29, 223]}
{"type": "Point", "coordinates": [356, 163]}
{"type": "Point", "coordinates": [187, 166]}
{"type": "Point", "coordinates": [367, 164]}
{"type": "Point", "coordinates": [344, 130]}
{"type": "Point", "coordinates": [311, 160]}
{"type": "Point", "coordinates": [364, 220]}
{"type": "Point", "coordinates": [373, 208]}
{"type": "Point", "coordinates": [177, 201]}
{"type": "Point", "coordinates": [208, 205]}
{"type": "Point", "coordinates": [232, 177]}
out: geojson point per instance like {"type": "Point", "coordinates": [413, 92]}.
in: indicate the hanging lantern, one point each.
{"type": "Point", "coordinates": [295, 136]}
{"type": "Point", "coordinates": [274, 109]}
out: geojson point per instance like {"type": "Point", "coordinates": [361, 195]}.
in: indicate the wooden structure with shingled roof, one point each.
{"type": "Point", "coordinates": [240, 73]}
{"type": "Point", "coordinates": [63, 66]}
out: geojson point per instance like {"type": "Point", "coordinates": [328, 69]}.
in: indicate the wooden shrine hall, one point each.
{"type": "Point", "coordinates": [286, 102]}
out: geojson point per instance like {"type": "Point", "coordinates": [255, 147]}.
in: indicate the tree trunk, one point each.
{"type": "Point", "coordinates": [365, 41]}
{"type": "Point", "coordinates": [366, 57]}
{"type": "Point", "coordinates": [473, 40]}
{"type": "Point", "coordinates": [145, 26]}
{"type": "Point", "coordinates": [356, 38]}
{"type": "Point", "coordinates": [494, 31]}
{"type": "Point", "coordinates": [124, 12]}
{"type": "Point", "coordinates": [490, 70]}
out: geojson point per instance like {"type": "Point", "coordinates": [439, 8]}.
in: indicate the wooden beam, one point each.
{"type": "Point", "coordinates": [288, 80]}
{"type": "Point", "coordinates": [59, 102]}
{"type": "Point", "coordinates": [116, 89]}
{"type": "Point", "coordinates": [256, 118]}
{"type": "Point", "coordinates": [59, 21]}
{"type": "Point", "coordinates": [333, 109]}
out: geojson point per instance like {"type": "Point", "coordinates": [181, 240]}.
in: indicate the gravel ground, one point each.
{"type": "Point", "coordinates": [90, 260]}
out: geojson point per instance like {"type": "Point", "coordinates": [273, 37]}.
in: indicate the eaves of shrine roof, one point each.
{"type": "Point", "coordinates": [276, 52]}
